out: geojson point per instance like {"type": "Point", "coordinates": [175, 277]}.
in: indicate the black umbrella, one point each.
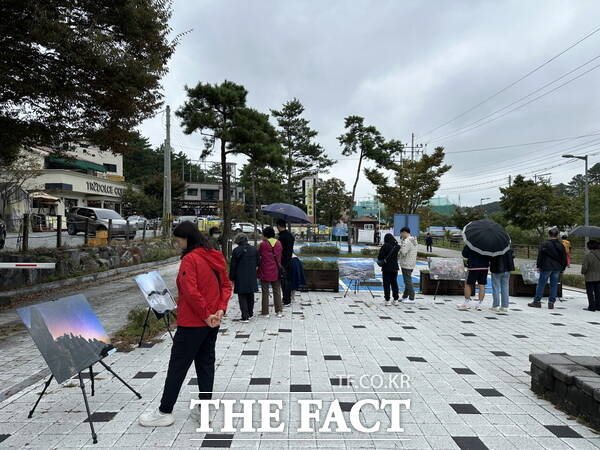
{"type": "Point", "coordinates": [486, 238]}
{"type": "Point", "coordinates": [287, 212]}
{"type": "Point", "coordinates": [589, 231]}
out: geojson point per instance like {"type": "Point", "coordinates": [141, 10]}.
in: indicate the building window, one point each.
{"type": "Point", "coordinates": [369, 226]}
{"type": "Point", "coordinates": [110, 167]}
{"type": "Point", "coordinates": [70, 202]}
{"type": "Point", "coordinates": [209, 195]}
{"type": "Point", "coordinates": [192, 192]}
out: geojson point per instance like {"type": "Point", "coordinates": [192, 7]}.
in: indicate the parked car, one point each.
{"type": "Point", "coordinates": [98, 221]}
{"type": "Point", "coordinates": [2, 234]}
{"type": "Point", "coordinates": [245, 227]}
{"type": "Point", "coordinates": [140, 222]}
{"type": "Point", "coordinates": [180, 219]}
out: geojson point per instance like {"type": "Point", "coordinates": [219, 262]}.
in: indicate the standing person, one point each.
{"type": "Point", "coordinates": [287, 242]}
{"type": "Point", "coordinates": [297, 273]}
{"type": "Point", "coordinates": [591, 270]}
{"type": "Point", "coordinates": [429, 243]}
{"type": "Point", "coordinates": [214, 238]}
{"type": "Point", "coordinates": [242, 271]}
{"type": "Point", "coordinates": [204, 291]}
{"type": "Point", "coordinates": [567, 245]}
{"type": "Point", "coordinates": [408, 260]}
{"type": "Point", "coordinates": [270, 251]}
{"type": "Point", "coordinates": [551, 261]}
{"type": "Point", "coordinates": [501, 267]}
{"type": "Point", "coordinates": [388, 261]}
{"type": "Point", "coordinates": [477, 266]}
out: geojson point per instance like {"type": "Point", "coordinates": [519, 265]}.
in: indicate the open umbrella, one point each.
{"type": "Point", "coordinates": [289, 213]}
{"type": "Point", "coordinates": [589, 231]}
{"type": "Point", "coordinates": [486, 237]}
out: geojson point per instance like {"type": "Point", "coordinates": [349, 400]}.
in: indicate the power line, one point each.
{"type": "Point", "coordinates": [531, 72]}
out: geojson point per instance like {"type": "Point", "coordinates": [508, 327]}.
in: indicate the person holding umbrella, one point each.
{"type": "Point", "coordinates": [484, 239]}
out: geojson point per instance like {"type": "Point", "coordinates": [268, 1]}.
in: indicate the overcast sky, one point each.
{"type": "Point", "coordinates": [406, 66]}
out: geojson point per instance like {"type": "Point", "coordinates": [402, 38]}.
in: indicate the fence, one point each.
{"type": "Point", "coordinates": [27, 232]}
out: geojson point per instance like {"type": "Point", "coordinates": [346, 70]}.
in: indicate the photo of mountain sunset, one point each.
{"type": "Point", "coordinates": [68, 334]}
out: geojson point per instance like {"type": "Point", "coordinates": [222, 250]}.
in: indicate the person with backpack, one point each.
{"type": "Point", "coordinates": [551, 261]}
{"type": "Point", "coordinates": [242, 271]}
{"type": "Point", "coordinates": [388, 261]}
{"type": "Point", "coordinates": [591, 271]}
{"type": "Point", "coordinates": [204, 292]}
{"type": "Point", "coordinates": [270, 271]}
{"type": "Point", "coordinates": [501, 267]}
{"type": "Point", "coordinates": [408, 261]}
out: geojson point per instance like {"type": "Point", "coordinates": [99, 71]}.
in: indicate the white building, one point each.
{"type": "Point", "coordinates": [207, 198]}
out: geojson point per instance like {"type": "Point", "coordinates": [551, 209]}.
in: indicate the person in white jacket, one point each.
{"type": "Point", "coordinates": [408, 261]}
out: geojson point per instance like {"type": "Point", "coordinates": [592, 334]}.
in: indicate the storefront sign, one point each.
{"type": "Point", "coordinates": [104, 188]}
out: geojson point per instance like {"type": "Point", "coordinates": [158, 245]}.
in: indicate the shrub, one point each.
{"type": "Point", "coordinates": [369, 251]}
{"type": "Point", "coordinates": [328, 250]}
{"type": "Point", "coordinates": [317, 264]}
{"type": "Point", "coordinates": [574, 280]}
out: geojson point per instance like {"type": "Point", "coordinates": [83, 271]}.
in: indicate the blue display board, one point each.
{"type": "Point", "coordinates": [412, 221]}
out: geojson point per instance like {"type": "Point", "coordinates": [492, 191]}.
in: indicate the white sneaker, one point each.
{"type": "Point", "coordinates": [388, 303]}
{"type": "Point", "coordinates": [396, 302]}
{"type": "Point", "coordinates": [244, 321]}
{"type": "Point", "coordinates": [465, 305]}
{"type": "Point", "coordinates": [156, 419]}
{"type": "Point", "coordinates": [279, 315]}
{"type": "Point", "coordinates": [478, 306]}
{"type": "Point", "coordinates": [503, 310]}
{"type": "Point", "coordinates": [408, 301]}
{"type": "Point", "coordinates": [495, 308]}
{"type": "Point", "coordinates": [266, 316]}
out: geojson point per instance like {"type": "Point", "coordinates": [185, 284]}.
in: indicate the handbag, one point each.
{"type": "Point", "coordinates": [281, 269]}
{"type": "Point", "coordinates": [381, 262]}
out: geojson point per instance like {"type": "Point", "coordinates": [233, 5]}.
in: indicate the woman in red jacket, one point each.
{"type": "Point", "coordinates": [270, 251]}
{"type": "Point", "coordinates": [204, 291]}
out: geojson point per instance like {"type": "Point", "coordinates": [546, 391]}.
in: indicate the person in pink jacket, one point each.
{"type": "Point", "coordinates": [270, 251]}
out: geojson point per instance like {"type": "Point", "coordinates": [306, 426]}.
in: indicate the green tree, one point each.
{"type": "Point", "coordinates": [15, 176]}
{"type": "Point", "coordinates": [303, 156]}
{"type": "Point", "coordinates": [153, 187]}
{"type": "Point", "coordinates": [219, 112]}
{"type": "Point", "coordinates": [80, 70]}
{"type": "Point", "coordinates": [138, 203]}
{"type": "Point", "coordinates": [414, 181]}
{"type": "Point", "coordinates": [333, 201]}
{"type": "Point", "coordinates": [365, 141]}
{"type": "Point", "coordinates": [464, 215]}
{"type": "Point", "coordinates": [536, 206]}
{"type": "Point", "coordinates": [141, 161]}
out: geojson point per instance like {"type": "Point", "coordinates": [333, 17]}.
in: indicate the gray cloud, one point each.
{"type": "Point", "coordinates": [406, 67]}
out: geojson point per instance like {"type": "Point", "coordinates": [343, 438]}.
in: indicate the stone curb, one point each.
{"type": "Point", "coordinates": [6, 296]}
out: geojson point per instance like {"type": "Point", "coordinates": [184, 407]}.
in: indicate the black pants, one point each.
{"type": "Point", "coordinates": [429, 248]}
{"type": "Point", "coordinates": [246, 305]}
{"type": "Point", "coordinates": [190, 344]}
{"type": "Point", "coordinates": [390, 279]}
{"type": "Point", "coordinates": [593, 295]}
{"type": "Point", "coordinates": [286, 285]}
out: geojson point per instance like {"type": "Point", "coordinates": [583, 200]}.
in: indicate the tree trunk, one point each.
{"type": "Point", "coordinates": [254, 205]}
{"type": "Point", "coordinates": [226, 201]}
{"type": "Point", "coordinates": [350, 227]}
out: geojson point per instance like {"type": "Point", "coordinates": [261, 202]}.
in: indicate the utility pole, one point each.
{"type": "Point", "coordinates": [509, 180]}
{"type": "Point", "coordinates": [167, 177]}
{"type": "Point", "coordinates": [415, 148]}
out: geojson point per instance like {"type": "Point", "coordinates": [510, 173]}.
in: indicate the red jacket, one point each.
{"type": "Point", "coordinates": [203, 285]}
{"type": "Point", "coordinates": [270, 260]}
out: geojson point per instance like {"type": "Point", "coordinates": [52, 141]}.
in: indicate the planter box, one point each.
{"type": "Point", "coordinates": [447, 287]}
{"type": "Point", "coordinates": [517, 288]}
{"type": "Point", "coordinates": [321, 280]}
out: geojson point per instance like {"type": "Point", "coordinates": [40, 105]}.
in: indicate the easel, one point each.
{"type": "Point", "coordinates": [164, 316]}
{"type": "Point", "coordinates": [437, 286]}
{"type": "Point", "coordinates": [356, 282]}
{"type": "Point", "coordinates": [85, 400]}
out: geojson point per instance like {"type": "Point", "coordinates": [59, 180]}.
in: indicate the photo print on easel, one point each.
{"type": "Point", "coordinates": [155, 291]}
{"type": "Point", "coordinates": [67, 333]}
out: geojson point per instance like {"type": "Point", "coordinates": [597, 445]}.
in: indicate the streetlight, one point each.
{"type": "Point", "coordinates": [586, 216]}
{"type": "Point", "coordinates": [482, 199]}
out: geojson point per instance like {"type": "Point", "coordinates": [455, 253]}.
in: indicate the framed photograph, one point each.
{"type": "Point", "coordinates": [356, 269]}
{"type": "Point", "coordinates": [155, 291]}
{"type": "Point", "coordinates": [447, 269]}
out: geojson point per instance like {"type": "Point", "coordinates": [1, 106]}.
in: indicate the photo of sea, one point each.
{"type": "Point", "coordinates": [67, 333]}
{"type": "Point", "coordinates": [156, 292]}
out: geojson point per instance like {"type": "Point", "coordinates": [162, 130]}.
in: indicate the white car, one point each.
{"type": "Point", "coordinates": [245, 227]}
{"type": "Point", "coordinates": [180, 219]}
{"type": "Point", "coordinates": [138, 221]}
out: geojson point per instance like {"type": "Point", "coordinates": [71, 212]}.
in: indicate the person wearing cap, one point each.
{"type": "Point", "coordinates": [551, 261]}
{"type": "Point", "coordinates": [242, 271]}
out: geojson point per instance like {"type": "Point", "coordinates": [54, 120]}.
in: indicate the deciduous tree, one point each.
{"type": "Point", "coordinates": [333, 201]}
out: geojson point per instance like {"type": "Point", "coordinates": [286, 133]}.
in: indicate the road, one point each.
{"type": "Point", "coordinates": [47, 239]}
{"type": "Point", "coordinates": [111, 299]}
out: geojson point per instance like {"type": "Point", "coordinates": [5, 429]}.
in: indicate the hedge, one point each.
{"type": "Point", "coordinates": [574, 280]}
{"type": "Point", "coordinates": [328, 250]}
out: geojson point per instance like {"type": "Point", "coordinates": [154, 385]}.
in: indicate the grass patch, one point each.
{"type": "Point", "coordinates": [322, 250]}
{"type": "Point", "coordinates": [573, 280]}
{"type": "Point", "coordinates": [128, 336]}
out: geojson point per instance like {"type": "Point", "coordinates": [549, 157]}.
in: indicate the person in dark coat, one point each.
{"type": "Point", "coordinates": [551, 261]}
{"type": "Point", "coordinates": [501, 267]}
{"type": "Point", "coordinates": [287, 242]}
{"type": "Point", "coordinates": [591, 271]}
{"type": "Point", "coordinates": [297, 272]}
{"type": "Point", "coordinates": [388, 254]}
{"type": "Point", "coordinates": [429, 242]}
{"type": "Point", "coordinates": [242, 271]}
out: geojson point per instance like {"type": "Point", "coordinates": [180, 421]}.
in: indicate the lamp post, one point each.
{"type": "Point", "coordinates": [481, 204]}
{"type": "Point", "coordinates": [586, 217]}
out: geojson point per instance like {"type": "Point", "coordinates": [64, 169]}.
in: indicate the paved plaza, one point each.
{"type": "Point", "coordinates": [469, 381]}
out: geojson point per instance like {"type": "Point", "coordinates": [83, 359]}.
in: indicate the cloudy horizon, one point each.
{"type": "Point", "coordinates": [407, 67]}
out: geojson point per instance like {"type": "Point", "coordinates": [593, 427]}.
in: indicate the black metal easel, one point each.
{"type": "Point", "coordinates": [356, 282]}
{"type": "Point", "coordinates": [85, 400]}
{"type": "Point", "coordinates": [164, 316]}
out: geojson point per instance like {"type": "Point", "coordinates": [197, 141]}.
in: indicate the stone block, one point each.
{"type": "Point", "coordinates": [591, 362]}
{"type": "Point", "coordinates": [544, 360]}
{"type": "Point", "coordinates": [588, 384]}
{"type": "Point", "coordinates": [567, 372]}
